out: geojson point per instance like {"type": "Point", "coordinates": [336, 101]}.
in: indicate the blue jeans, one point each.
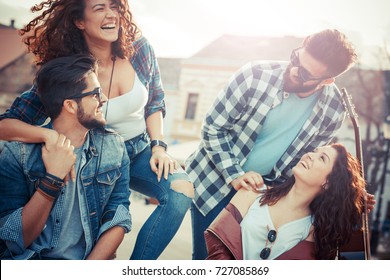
{"type": "Point", "coordinates": [200, 224]}
{"type": "Point", "coordinates": [163, 223]}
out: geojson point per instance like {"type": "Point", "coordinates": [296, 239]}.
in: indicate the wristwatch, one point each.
{"type": "Point", "coordinates": [158, 143]}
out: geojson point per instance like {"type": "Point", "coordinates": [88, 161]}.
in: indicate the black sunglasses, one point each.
{"type": "Point", "coordinates": [264, 254]}
{"type": "Point", "coordinates": [303, 74]}
{"type": "Point", "coordinates": [97, 91]}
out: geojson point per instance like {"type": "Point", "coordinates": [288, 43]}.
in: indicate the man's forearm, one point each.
{"type": "Point", "coordinates": [34, 217]}
{"type": "Point", "coordinates": [107, 244]}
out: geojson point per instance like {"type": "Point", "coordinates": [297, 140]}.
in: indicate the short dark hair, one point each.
{"type": "Point", "coordinates": [61, 78]}
{"type": "Point", "coordinates": [332, 48]}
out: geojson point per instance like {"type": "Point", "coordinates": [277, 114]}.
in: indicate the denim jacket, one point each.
{"type": "Point", "coordinates": [106, 192]}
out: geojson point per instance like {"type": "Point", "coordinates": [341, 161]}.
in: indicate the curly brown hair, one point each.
{"type": "Point", "coordinates": [337, 210]}
{"type": "Point", "coordinates": [54, 34]}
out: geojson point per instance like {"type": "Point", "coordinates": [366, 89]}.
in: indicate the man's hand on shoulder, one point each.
{"type": "Point", "coordinates": [250, 180]}
{"type": "Point", "coordinates": [59, 157]}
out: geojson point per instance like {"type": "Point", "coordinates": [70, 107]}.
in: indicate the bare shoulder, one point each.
{"type": "Point", "coordinates": [310, 237]}
{"type": "Point", "coordinates": [243, 199]}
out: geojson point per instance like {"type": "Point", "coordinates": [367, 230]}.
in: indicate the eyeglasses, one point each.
{"type": "Point", "coordinates": [97, 91]}
{"type": "Point", "coordinates": [303, 74]}
{"type": "Point", "coordinates": [271, 237]}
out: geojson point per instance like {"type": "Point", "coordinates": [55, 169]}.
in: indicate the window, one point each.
{"type": "Point", "coordinates": [192, 102]}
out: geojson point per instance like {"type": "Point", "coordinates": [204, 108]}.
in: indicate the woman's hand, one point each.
{"type": "Point", "coordinates": [50, 137]}
{"type": "Point", "coordinates": [370, 198]}
{"type": "Point", "coordinates": [251, 181]}
{"type": "Point", "coordinates": [161, 161]}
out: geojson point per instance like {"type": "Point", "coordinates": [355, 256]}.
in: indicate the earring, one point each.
{"type": "Point", "coordinates": [324, 186]}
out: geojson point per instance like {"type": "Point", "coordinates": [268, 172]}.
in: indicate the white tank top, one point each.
{"type": "Point", "coordinates": [256, 225]}
{"type": "Point", "coordinates": [126, 112]}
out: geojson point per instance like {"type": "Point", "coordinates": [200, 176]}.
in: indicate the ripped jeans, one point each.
{"type": "Point", "coordinates": [163, 223]}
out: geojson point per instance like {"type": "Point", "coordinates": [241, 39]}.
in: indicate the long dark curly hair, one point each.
{"type": "Point", "coordinates": [54, 34]}
{"type": "Point", "coordinates": [337, 210]}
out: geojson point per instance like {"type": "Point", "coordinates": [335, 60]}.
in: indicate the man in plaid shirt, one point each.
{"type": "Point", "coordinates": [267, 116]}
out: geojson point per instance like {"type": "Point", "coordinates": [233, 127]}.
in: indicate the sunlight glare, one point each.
{"type": "Point", "coordinates": [254, 17]}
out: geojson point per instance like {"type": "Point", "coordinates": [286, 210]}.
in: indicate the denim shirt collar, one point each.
{"type": "Point", "coordinates": [92, 151]}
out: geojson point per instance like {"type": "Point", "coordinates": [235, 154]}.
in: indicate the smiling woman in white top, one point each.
{"type": "Point", "coordinates": [320, 205]}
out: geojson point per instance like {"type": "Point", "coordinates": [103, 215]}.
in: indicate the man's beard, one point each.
{"type": "Point", "coordinates": [87, 121]}
{"type": "Point", "coordinates": [292, 87]}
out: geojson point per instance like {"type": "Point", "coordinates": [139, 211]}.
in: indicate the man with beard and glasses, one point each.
{"type": "Point", "coordinates": [268, 116]}
{"type": "Point", "coordinates": [44, 214]}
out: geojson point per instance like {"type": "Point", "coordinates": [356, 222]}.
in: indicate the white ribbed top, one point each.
{"type": "Point", "coordinates": [126, 112]}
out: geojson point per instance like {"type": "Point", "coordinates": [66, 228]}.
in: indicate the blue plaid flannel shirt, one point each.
{"type": "Point", "coordinates": [232, 124]}
{"type": "Point", "coordinates": [28, 106]}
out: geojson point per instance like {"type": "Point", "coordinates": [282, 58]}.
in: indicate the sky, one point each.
{"type": "Point", "coordinates": [180, 28]}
